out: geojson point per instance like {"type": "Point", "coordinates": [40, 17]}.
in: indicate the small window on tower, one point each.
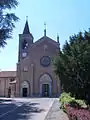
{"type": "Point", "coordinates": [25, 69]}
{"type": "Point", "coordinates": [24, 44]}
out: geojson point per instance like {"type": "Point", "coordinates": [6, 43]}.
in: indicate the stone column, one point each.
{"type": "Point", "coordinates": [18, 81]}
{"type": "Point", "coordinates": [12, 90]}
{"type": "Point", "coordinates": [32, 77]}
{"type": "Point", "coordinates": [50, 90]}
{"type": "Point", "coordinates": [40, 89]}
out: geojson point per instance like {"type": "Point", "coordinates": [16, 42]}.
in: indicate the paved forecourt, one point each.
{"type": "Point", "coordinates": [24, 108]}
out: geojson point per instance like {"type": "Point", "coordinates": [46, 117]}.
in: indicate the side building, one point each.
{"type": "Point", "coordinates": [7, 83]}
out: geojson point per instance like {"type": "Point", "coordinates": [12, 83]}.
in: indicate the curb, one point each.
{"type": "Point", "coordinates": [49, 110]}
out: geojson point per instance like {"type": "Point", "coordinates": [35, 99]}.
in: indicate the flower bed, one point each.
{"type": "Point", "coordinates": [77, 114]}
{"type": "Point", "coordinates": [76, 109]}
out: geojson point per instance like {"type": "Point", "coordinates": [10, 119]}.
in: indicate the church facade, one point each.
{"type": "Point", "coordinates": [35, 75]}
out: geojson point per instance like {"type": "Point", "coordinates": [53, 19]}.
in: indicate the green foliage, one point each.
{"type": "Point", "coordinates": [73, 65]}
{"type": "Point", "coordinates": [74, 104]}
{"type": "Point", "coordinates": [7, 20]}
{"type": "Point", "coordinates": [66, 98]}
{"type": "Point", "coordinates": [81, 103]}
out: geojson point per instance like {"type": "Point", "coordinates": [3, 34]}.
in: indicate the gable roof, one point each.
{"type": "Point", "coordinates": [47, 39]}
{"type": "Point", "coordinates": [8, 74]}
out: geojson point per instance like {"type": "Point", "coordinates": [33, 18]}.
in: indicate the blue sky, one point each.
{"type": "Point", "coordinates": [64, 17]}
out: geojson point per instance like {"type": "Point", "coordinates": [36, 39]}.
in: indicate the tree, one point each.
{"type": "Point", "coordinates": [73, 65]}
{"type": "Point", "coordinates": [7, 20]}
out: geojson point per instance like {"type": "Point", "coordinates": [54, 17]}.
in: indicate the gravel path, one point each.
{"type": "Point", "coordinates": [56, 113]}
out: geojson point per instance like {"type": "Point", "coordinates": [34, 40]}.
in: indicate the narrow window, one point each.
{"type": "Point", "coordinates": [24, 45]}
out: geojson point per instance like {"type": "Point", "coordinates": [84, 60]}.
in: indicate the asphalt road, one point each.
{"type": "Point", "coordinates": [25, 108]}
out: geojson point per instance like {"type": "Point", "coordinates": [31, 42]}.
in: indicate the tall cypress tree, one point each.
{"type": "Point", "coordinates": [73, 65]}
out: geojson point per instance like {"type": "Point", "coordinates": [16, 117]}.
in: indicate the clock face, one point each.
{"type": "Point", "coordinates": [45, 61]}
{"type": "Point", "coordinates": [24, 54]}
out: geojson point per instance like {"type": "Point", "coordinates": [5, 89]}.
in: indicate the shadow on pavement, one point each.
{"type": "Point", "coordinates": [8, 105]}
{"type": "Point", "coordinates": [5, 100]}
{"type": "Point", "coordinates": [25, 112]}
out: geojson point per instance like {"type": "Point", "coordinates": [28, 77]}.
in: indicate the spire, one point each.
{"type": "Point", "coordinates": [45, 29]}
{"type": "Point", "coordinates": [26, 28]}
{"type": "Point", "coordinates": [58, 41]}
{"type": "Point", "coordinates": [57, 38]}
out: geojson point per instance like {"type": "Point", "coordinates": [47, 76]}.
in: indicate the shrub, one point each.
{"type": "Point", "coordinates": [81, 103]}
{"type": "Point", "coordinates": [66, 98]}
{"type": "Point", "coordinates": [74, 104]}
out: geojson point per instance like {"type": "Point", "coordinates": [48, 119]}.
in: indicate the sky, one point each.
{"type": "Point", "coordinates": [65, 17]}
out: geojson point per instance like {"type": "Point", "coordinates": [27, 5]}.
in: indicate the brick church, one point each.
{"type": "Point", "coordinates": [34, 76]}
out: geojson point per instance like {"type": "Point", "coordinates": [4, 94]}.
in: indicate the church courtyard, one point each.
{"type": "Point", "coordinates": [30, 109]}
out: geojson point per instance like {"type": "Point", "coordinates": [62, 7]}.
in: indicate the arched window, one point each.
{"type": "Point", "coordinates": [24, 44]}
{"type": "Point", "coordinates": [45, 78]}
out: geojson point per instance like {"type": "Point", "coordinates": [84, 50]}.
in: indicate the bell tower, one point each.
{"type": "Point", "coordinates": [25, 41]}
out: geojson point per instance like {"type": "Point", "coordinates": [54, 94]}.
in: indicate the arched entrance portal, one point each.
{"type": "Point", "coordinates": [25, 89]}
{"type": "Point", "coordinates": [45, 85]}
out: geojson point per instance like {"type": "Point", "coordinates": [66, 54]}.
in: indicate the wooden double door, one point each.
{"type": "Point", "coordinates": [25, 92]}
{"type": "Point", "coordinates": [45, 90]}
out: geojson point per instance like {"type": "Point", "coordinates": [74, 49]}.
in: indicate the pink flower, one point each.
{"type": "Point", "coordinates": [80, 114]}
